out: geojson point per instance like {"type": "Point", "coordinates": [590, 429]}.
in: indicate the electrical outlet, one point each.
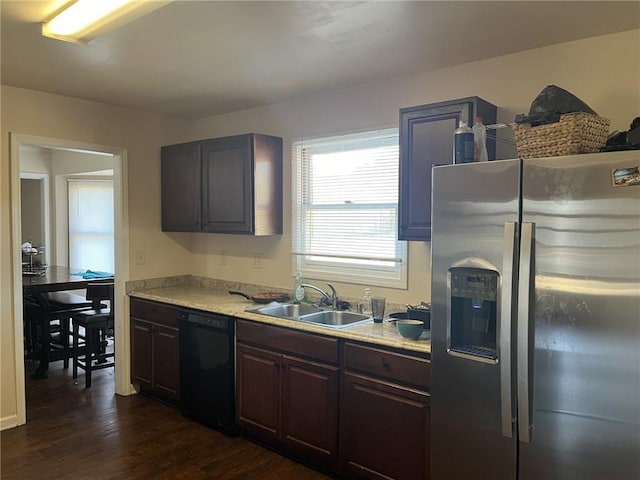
{"type": "Point", "coordinates": [257, 260]}
{"type": "Point", "coordinates": [140, 257]}
{"type": "Point", "coordinates": [223, 257]}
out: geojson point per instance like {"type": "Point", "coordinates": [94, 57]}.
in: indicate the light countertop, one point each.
{"type": "Point", "coordinates": [221, 302]}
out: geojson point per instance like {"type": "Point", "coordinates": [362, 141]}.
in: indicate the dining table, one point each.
{"type": "Point", "coordinates": [54, 279]}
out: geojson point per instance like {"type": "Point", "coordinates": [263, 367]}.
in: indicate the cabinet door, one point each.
{"type": "Point", "coordinates": [384, 430]}
{"type": "Point", "coordinates": [166, 362]}
{"type": "Point", "coordinates": [181, 183]}
{"type": "Point", "coordinates": [227, 177]}
{"type": "Point", "coordinates": [141, 353]}
{"type": "Point", "coordinates": [426, 139]}
{"type": "Point", "coordinates": [258, 391]}
{"type": "Point", "coordinates": [310, 410]}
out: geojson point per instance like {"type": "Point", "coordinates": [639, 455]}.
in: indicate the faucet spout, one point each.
{"type": "Point", "coordinates": [326, 298]}
{"type": "Point", "coordinates": [334, 296]}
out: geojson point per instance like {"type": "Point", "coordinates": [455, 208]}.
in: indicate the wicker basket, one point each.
{"type": "Point", "coordinates": [575, 133]}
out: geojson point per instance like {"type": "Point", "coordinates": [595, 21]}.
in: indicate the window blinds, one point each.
{"type": "Point", "coordinates": [346, 200]}
{"type": "Point", "coordinates": [91, 225]}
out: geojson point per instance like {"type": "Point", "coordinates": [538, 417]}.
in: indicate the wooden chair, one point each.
{"type": "Point", "coordinates": [49, 315]}
{"type": "Point", "coordinates": [31, 314]}
{"type": "Point", "coordinates": [95, 322]}
{"type": "Point", "coordinates": [62, 306]}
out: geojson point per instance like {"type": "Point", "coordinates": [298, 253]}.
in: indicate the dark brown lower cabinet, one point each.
{"type": "Point", "coordinates": [385, 415]}
{"type": "Point", "coordinates": [288, 401]}
{"type": "Point", "coordinates": [310, 406]}
{"type": "Point", "coordinates": [258, 391]}
{"type": "Point", "coordinates": [362, 414]}
{"type": "Point", "coordinates": [155, 360]}
{"type": "Point", "coordinates": [141, 352]}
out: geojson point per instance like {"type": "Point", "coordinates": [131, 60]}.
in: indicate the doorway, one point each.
{"type": "Point", "coordinates": [118, 157]}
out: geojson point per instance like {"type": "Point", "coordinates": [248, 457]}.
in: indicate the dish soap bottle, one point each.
{"type": "Point", "coordinates": [297, 295]}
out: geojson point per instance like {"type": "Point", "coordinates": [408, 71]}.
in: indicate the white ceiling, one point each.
{"type": "Point", "coordinates": [194, 59]}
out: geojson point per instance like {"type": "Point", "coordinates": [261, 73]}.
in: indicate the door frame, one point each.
{"type": "Point", "coordinates": [121, 251]}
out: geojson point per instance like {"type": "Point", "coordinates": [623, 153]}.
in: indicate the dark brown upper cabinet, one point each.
{"type": "Point", "coordinates": [426, 140]}
{"type": "Point", "coordinates": [223, 185]}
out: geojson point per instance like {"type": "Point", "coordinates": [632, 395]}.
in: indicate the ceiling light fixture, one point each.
{"type": "Point", "coordinates": [83, 20]}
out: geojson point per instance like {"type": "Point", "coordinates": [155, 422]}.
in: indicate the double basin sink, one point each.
{"type": "Point", "coordinates": [312, 314]}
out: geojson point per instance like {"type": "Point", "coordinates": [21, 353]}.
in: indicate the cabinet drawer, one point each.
{"type": "Point", "coordinates": [392, 366]}
{"type": "Point", "coordinates": [286, 340]}
{"type": "Point", "coordinates": [154, 312]}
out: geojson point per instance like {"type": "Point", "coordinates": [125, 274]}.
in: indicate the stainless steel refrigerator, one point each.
{"type": "Point", "coordinates": [536, 319]}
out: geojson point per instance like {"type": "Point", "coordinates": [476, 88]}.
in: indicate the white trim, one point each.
{"type": "Point", "coordinates": [8, 422]}
{"type": "Point", "coordinates": [16, 257]}
{"type": "Point", "coordinates": [122, 375]}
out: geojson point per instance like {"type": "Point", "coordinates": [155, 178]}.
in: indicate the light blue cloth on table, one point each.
{"type": "Point", "coordinates": [89, 274]}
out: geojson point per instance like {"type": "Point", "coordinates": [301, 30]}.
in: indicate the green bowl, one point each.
{"type": "Point", "coordinates": [410, 328]}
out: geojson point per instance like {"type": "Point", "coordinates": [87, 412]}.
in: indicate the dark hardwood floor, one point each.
{"type": "Point", "coordinates": [92, 434]}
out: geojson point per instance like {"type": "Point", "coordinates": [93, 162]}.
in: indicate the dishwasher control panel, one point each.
{"type": "Point", "coordinates": [206, 319]}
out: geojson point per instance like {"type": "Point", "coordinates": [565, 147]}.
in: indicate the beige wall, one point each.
{"type": "Point", "coordinates": [602, 71]}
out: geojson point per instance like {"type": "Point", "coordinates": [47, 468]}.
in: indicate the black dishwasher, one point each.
{"type": "Point", "coordinates": [207, 369]}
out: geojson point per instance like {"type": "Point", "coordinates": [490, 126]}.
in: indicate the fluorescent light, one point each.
{"type": "Point", "coordinates": [84, 20]}
{"type": "Point", "coordinates": [82, 14]}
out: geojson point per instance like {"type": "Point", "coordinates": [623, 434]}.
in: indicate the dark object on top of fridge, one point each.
{"type": "Point", "coordinates": [535, 334]}
{"type": "Point", "coordinates": [629, 140]}
{"type": "Point", "coordinates": [550, 103]}
{"type": "Point", "coordinates": [633, 137]}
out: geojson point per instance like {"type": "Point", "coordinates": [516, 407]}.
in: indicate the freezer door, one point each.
{"type": "Point", "coordinates": [585, 347]}
{"type": "Point", "coordinates": [474, 222]}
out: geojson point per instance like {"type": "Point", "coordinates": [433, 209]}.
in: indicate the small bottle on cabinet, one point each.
{"type": "Point", "coordinates": [463, 145]}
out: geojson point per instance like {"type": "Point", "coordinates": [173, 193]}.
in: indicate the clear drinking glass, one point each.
{"type": "Point", "coordinates": [377, 308]}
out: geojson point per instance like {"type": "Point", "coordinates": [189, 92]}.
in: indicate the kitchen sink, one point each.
{"type": "Point", "coordinates": [288, 310]}
{"type": "Point", "coordinates": [335, 318]}
{"type": "Point", "coordinates": [312, 314]}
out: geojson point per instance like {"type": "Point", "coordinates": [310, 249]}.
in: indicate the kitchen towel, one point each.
{"type": "Point", "coordinates": [90, 274]}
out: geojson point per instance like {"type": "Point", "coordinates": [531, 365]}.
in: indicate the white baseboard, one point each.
{"type": "Point", "coordinates": [8, 422]}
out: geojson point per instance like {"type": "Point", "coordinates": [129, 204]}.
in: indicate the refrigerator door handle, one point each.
{"type": "Point", "coordinates": [508, 265]}
{"type": "Point", "coordinates": [525, 307]}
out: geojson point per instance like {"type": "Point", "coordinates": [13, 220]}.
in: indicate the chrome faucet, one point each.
{"type": "Point", "coordinates": [326, 298]}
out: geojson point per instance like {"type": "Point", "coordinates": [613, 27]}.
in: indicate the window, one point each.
{"type": "Point", "coordinates": [91, 240]}
{"type": "Point", "coordinates": [345, 209]}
